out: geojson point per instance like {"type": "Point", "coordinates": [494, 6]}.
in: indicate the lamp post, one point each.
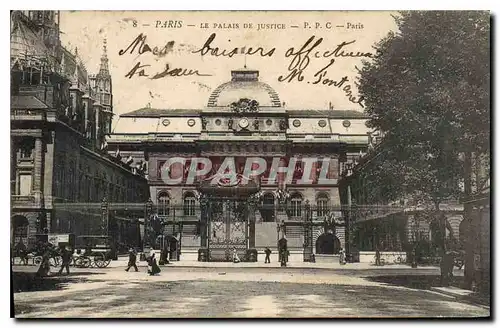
{"type": "Point", "coordinates": [278, 228]}
{"type": "Point", "coordinates": [308, 232]}
{"type": "Point", "coordinates": [277, 234]}
{"type": "Point", "coordinates": [147, 223]}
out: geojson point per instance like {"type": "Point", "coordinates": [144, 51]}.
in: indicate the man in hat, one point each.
{"type": "Point", "coordinates": [66, 256]}
{"type": "Point", "coordinates": [268, 253]}
{"type": "Point", "coordinates": [132, 258]}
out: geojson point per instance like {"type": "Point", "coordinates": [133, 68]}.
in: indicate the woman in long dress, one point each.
{"type": "Point", "coordinates": [236, 259]}
{"type": "Point", "coordinates": [342, 256]}
{"type": "Point", "coordinates": [153, 267]}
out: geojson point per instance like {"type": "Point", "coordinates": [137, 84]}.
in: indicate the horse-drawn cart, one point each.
{"type": "Point", "coordinates": [93, 250]}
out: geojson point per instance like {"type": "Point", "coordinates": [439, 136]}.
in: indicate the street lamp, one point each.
{"type": "Point", "coordinates": [147, 223]}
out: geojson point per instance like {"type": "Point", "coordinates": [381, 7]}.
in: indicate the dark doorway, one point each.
{"type": "Point", "coordinates": [173, 246]}
{"type": "Point", "coordinates": [20, 227]}
{"type": "Point", "coordinates": [327, 243]}
{"type": "Point", "coordinates": [267, 209]}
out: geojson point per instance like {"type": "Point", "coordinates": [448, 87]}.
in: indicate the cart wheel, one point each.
{"type": "Point", "coordinates": [86, 262]}
{"type": "Point", "coordinates": [37, 260]}
{"type": "Point", "coordinates": [106, 263]}
{"type": "Point", "coordinates": [100, 260]}
{"type": "Point", "coordinates": [80, 262]}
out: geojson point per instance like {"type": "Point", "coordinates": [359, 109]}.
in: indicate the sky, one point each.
{"type": "Point", "coordinates": [87, 30]}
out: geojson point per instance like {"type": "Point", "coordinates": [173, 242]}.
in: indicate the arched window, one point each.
{"type": "Point", "coordinates": [322, 204]}
{"type": "Point", "coordinates": [267, 211]}
{"type": "Point", "coordinates": [189, 204]}
{"type": "Point", "coordinates": [296, 205]}
{"type": "Point", "coordinates": [163, 203]}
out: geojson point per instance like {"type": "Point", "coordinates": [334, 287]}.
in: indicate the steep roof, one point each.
{"type": "Point", "coordinates": [157, 112]}
{"type": "Point", "coordinates": [26, 102]}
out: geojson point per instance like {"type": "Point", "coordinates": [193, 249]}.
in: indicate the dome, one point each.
{"type": "Point", "coordinates": [244, 84]}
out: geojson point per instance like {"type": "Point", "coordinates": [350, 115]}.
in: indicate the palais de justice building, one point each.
{"type": "Point", "coordinates": [245, 117]}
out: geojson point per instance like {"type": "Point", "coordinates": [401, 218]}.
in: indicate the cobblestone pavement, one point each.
{"type": "Point", "coordinates": [231, 292]}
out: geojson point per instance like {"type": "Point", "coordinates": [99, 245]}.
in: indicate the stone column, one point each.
{"type": "Point", "coordinates": [13, 163]}
{"type": "Point", "coordinates": [38, 170]}
{"type": "Point", "coordinates": [251, 224]}
{"type": "Point", "coordinates": [204, 222]}
{"type": "Point", "coordinates": [333, 168]}
{"type": "Point", "coordinates": [49, 221]}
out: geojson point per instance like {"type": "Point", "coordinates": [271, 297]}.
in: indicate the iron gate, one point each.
{"type": "Point", "coordinates": [228, 228]}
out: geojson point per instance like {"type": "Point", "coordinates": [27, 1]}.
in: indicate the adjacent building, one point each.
{"type": "Point", "coordinates": [60, 116]}
{"type": "Point", "coordinates": [478, 224]}
{"type": "Point", "coordinates": [396, 228]}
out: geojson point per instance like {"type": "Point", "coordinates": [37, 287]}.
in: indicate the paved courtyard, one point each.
{"type": "Point", "coordinates": [233, 292]}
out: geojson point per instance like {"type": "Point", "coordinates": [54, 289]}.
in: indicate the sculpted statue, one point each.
{"type": "Point", "coordinates": [245, 105]}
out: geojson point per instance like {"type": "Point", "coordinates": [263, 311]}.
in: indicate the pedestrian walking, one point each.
{"type": "Point", "coordinates": [153, 268]}
{"type": "Point", "coordinates": [268, 253]}
{"type": "Point", "coordinates": [342, 257]}
{"type": "Point", "coordinates": [132, 259]}
{"type": "Point", "coordinates": [284, 257]}
{"type": "Point", "coordinates": [21, 251]}
{"type": "Point", "coordinates": [236, 259]}
{"type": "Point", "coordinates": [66, 256]}
{"type": "Point", "coordinates": [377, 257]}
{"type": "Point", "coordinates": [164, 255]}
{"type": "Point", "coordinates": [88, 250]}
{"type": "Point", "coordinates": [44, 267]}
{"type": "Point", "coordinates": [446, 267]}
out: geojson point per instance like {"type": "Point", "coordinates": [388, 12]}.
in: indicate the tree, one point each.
{"type": "Point", "coordinates": [428, 91]}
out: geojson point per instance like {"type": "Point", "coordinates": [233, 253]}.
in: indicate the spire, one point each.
{"type": "Point", "coordinates": [75, 76]}
{"type": "Point", "coordinates": [103, 69]}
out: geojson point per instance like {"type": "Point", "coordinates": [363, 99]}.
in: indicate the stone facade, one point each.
{"type": "Point", "coordinates": [59, 116]}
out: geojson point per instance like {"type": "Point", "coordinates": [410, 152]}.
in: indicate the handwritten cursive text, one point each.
{"type": "Point", "coordinates": [208, 48]}
{"type": "Point", "coordinates": [139, 70]}
{"type": "Point", "coordinates": [143, 47]}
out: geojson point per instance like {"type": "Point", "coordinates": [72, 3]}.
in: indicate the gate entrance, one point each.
{"type": "Point", "coordinates": [228, 213]}
{"type": "Point", "coordinates": [327, 243]}
{"type": "Point", "coordinates": [228, 229]}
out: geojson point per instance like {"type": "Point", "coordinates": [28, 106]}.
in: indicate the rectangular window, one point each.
{"type": "Point", "coordinates": [25, 181]}
{"type": "Point", "coordinates": [296, 205]}
{"type": "Point", "coordinates": [164, 205]}
{"type": "Point", "coordinates": [160, 169]}
{"type": "Point", "coordinates": [322, 207]}
{"type": "Point", "coordinates": [26, 148]}
{"type": "Point", "coordinates": [299, 171]}
{"type": "Point", "coordinates": [189, 209]}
